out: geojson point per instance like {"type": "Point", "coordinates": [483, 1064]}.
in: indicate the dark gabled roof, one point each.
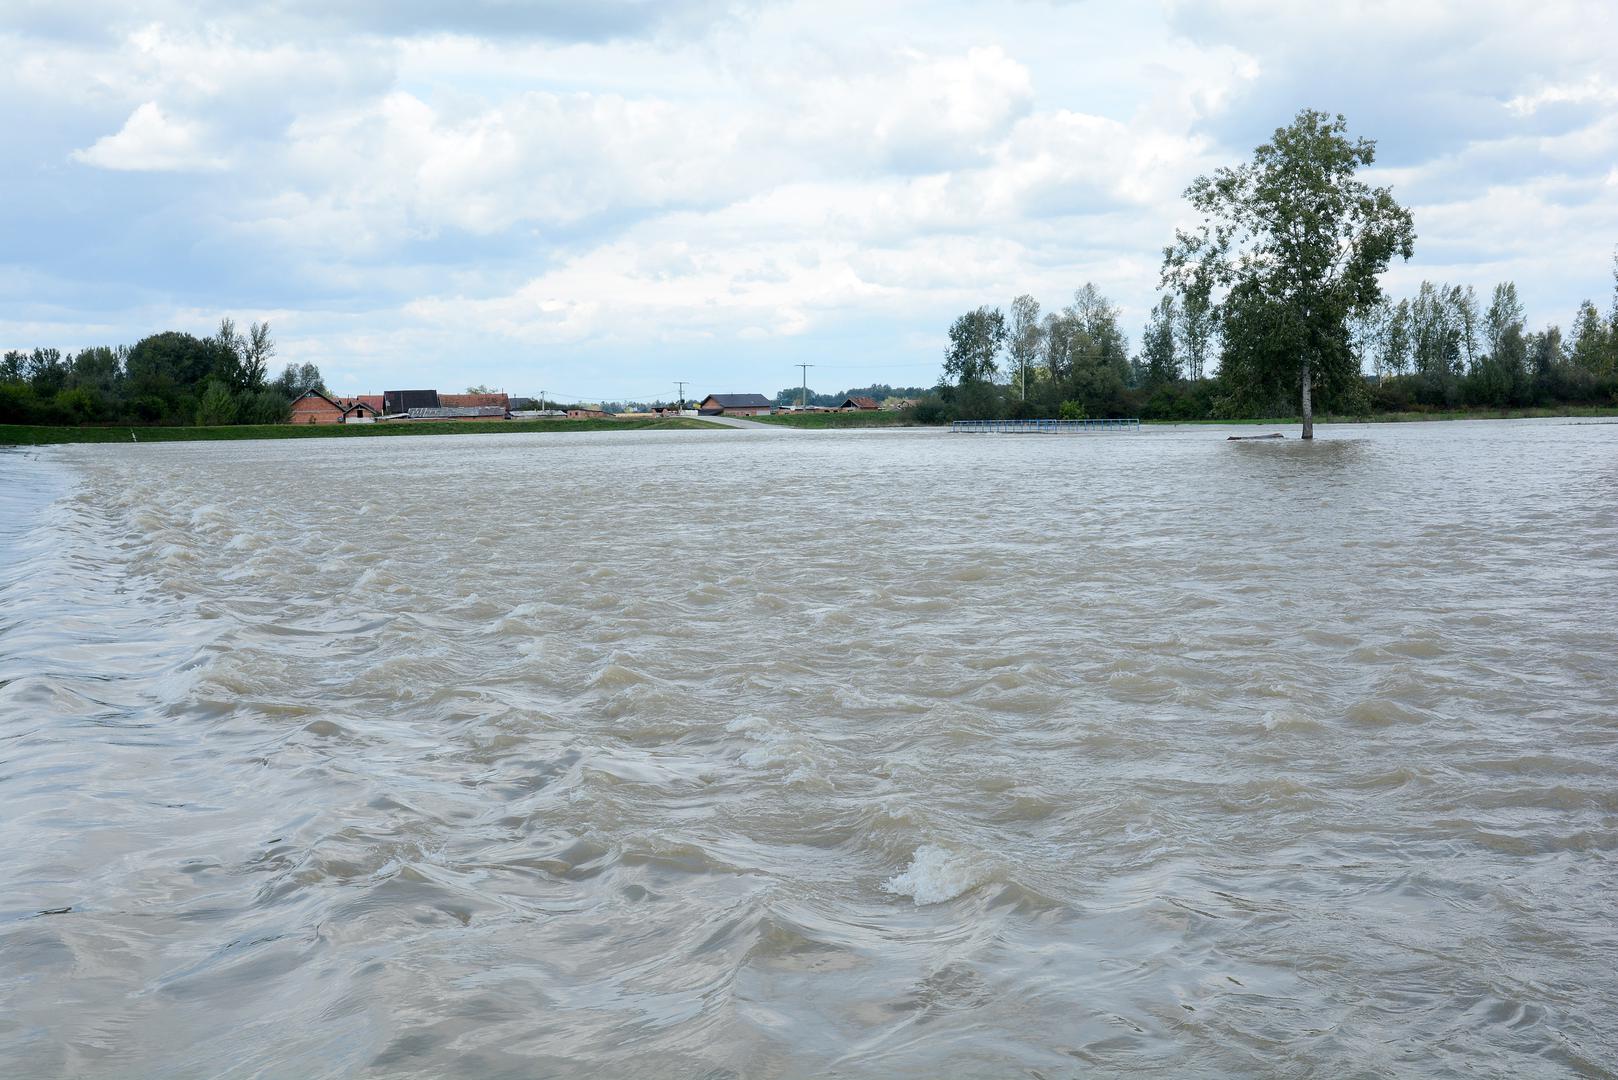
{"type": "Point", "coordinates": [737, 401]}
{"type": "Point", "coordinates": [860, 403]}
{"type": "Point", "coordinates": [398, 401]}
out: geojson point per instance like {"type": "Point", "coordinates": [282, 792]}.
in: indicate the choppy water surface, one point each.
{"type": "Point", "coordinates": [813, 754]}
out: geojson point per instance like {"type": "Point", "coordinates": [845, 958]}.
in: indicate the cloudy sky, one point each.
{"type": "Point", "coordinates": [599, 198]}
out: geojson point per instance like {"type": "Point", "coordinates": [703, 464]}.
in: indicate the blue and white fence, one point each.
{"type": "Point", "coordinates": [1042, 427]}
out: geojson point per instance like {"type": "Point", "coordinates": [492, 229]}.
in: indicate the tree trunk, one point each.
{"type": "Point", "coordinates": [1308, 405]}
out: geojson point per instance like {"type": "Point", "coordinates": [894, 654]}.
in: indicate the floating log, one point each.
{"type": "Point", "coordinates": [1244, 438]}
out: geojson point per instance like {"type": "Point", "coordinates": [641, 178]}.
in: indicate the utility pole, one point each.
{"type": "Point", "coordinates": [542, 401]}
{"type": "Point", "coordinates": [681, 384]}
{"type": "Point", "coordinates": [803, 394]}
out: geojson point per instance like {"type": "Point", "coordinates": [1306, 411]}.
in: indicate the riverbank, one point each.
{"type": "Point", "coordinates": [839, 420]}
{"type": "Point", "coordinates": [823, 421]}
{"type": "Point", "coordinates": [36, 435]}
{"type": "Point", "coordinates": [1412, 417]}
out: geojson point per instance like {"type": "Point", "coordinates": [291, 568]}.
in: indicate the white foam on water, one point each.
{"type": "Point", "coordinates": [778, 747]}
{"type": "Point", "coordinates": [935, 874]}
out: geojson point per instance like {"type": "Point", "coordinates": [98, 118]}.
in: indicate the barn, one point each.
{"type": "Point", "coordinates": [400, 402]}
{"type": "Point", "coordinates": [313, 407]}
{"type": "Point", "coordinates": [475, 401]}
{"type": "Point", "coordinates": [460, 412]}
{"type": "Point", "coordinates": [735, 405]}
{"type": "Point", "coordinates": [361, 410]}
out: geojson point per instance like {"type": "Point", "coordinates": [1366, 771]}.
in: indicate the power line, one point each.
{"type": "Point", "coordinates": [562, 395]}
{"type": "Point", "coordinates": [868, 367]}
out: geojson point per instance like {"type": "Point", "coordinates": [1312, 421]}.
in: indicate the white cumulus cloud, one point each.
{"type": "Point", "coordinates": [1592, 90]}
{"type": "Point", "coordinates": [151, 141]}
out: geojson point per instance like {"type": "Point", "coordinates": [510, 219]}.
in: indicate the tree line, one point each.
{"type": "Point", "coordinates": [1272, 305]}
{"type": "Point", "coordinates": [880, 392]}
{"type": "Point", "coordinates": [171, 378]}
{"type": "Point", "coordinates": [1073, 362]}
{"type": "Point", "coordinates": [1443, 349]}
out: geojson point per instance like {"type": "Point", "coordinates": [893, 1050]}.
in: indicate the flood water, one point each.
{"type": "Point", "coordinates": [862, 754]}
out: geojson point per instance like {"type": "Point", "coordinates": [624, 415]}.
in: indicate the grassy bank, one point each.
{"type": "Point", "coordinates": [1413, 417]}
{"type": "Point", "coordinates": [838, 420]}
{"type": "Point", "coordinates": [32, 435]}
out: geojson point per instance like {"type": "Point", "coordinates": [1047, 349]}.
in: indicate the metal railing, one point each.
{"type": "Point", "coordinates": [1052, 427]}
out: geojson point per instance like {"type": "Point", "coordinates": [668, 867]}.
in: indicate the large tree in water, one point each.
{"type": "Point", "coordinates": [1295, 242]}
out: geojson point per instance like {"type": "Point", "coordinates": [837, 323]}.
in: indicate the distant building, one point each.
{"type": "Point", "coordinates": [313, 407]}
{"type": "Point", "coordinates": [400, 402]}
{"type": "Point", "coordinates": [587, 414]}
{"type": "Point", "coordinates": [459, 412]}
{"type": "Point", "coordinates": [858, 404]}
{"type": "Point", "coordinates": [474, 401]}
{"type": "Point", "coordinates": [361, 410]}
{"type": "Point", "coordinates": [316, 407]}
{"type": "Point", "coordinates": [735, 405]}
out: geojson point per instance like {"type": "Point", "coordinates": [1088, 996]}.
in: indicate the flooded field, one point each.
{"type": "Point", "coordinates": [790, 754]}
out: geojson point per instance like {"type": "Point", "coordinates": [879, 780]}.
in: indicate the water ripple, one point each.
{"type": "Point", "coordinates": [528, 755]}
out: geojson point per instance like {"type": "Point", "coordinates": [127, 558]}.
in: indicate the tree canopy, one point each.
{"type": "Point", "coordinates": [975, 341]}
{"type": "Point", "coordinates": [169, 377]}
{"type": "Point", "coordinates": [1296, 241]}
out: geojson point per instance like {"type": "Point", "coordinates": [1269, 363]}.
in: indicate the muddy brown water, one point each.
{"type": "Point", "coordinates": [790, 754]}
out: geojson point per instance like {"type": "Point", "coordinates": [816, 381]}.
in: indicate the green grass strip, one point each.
{"type": "Point", "coordinates": [36, 435]}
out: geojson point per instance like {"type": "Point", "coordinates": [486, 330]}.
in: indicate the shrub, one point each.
{"type": "Point", "coordinates": [18, 404]}
{"type": "Point", "coordinates": [263, 407]}
{"type": "Point", "coordinates": [217, 406]}
{"type": "Point", "coordinates": [931, 410]}
{"type": "Point", "coordinates": [79, 405]}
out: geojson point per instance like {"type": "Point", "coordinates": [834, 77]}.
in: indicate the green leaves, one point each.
{"type": "Point", "coordinates": [975, 341]}
{"type": "Point", "coordinates": [1295, 242]}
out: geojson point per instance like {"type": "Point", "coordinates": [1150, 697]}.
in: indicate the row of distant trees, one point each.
{"type": "Point", "coordinates": [1440, 349]}
{"type": "Point", "coordinates": [167, 378]}
{"type": "Point", "coordinates": [788, 396]}
{"type": "Point", "coordinates": [1072, 362]}
{"type": "Point", "coordinates": [1274, 303]}
{"type": "Point", "coordinates": [880, 392]}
